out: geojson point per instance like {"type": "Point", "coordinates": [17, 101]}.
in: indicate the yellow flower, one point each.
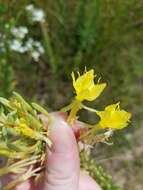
{"type": "Point", "coordinates": [113, 117]}
{"type": "Point", "coordinates": [23, 129]}
{"type": "Point", "coordinates": [85, 87]}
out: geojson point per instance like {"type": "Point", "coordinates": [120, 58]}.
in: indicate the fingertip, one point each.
{"type": "Point", "coordinates": [61, 134]}
{"type": "Point", "coordinates": [62, 168]}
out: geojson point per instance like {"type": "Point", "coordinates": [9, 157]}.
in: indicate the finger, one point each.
{"type": "Point", "coordinates": [77, 126]}
{"type": "Point", "coordinates": [4, 181]}
{"type": "Point", "coordinates": [26, 185]}
{"type": "Point", "coordinates": [62, 170]}
{"type": "Point", "coordinates": [86, 182]}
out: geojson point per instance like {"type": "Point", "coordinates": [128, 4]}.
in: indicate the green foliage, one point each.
{"type": "Point", "coordinates": [97, 172]}
{"type": "Point", "coordinates": [23, 139]}
{"type": "Point", "coordinates": [6, 78]}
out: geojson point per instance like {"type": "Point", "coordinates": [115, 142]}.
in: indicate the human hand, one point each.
{"type": "Point", "coordinates": [63, 166]}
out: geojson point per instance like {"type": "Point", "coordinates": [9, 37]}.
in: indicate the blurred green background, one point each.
{"type": "Point", "coordinates": [43, 41]}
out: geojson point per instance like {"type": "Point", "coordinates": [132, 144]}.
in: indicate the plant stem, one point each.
{"type": "Point", "coordinates": [89, 109]}
{"type": "Point", "coordinates": [76, 106]}
{"type": "Point", "coordinates": [48, 47]}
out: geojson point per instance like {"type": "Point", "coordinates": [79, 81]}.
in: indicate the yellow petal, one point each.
{"type": "Point", "coordinates": [113, 117]}
{"type": "Point", "coordinates": [82, 95]}
{"type": "Point", "coordinates": [113, 107]}
{"type": "Point", "coordinates": [85, 87]}
{"type": "Point", "coordinates": [83, 82]}
{"type": "Point", "coordinates": [95, 91]}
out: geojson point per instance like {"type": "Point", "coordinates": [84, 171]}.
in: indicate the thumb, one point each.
{"type": "Point", "coordinates": [62, 170]}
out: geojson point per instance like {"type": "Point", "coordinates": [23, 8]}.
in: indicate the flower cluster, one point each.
{"type": "Point", "coordinates": [112, 118]}
{"type": "Point", "coordinates": [19, 39]}
{"type": "Point", "coordinates": [19, 32]}
{"type": "Point", "coordinates": [34, 48]}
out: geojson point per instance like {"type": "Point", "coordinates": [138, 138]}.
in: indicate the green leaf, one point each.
{"type": "Point", "coordinates": [4, 133]}
{"type": "Point", "coordinates": [5, 102]}
{"type": "Point", "coordinates": [40, 109]}
{"type": "Point", "coordinates": [22, 101]}
{"type": "Point", "coordinates": [33, 122]}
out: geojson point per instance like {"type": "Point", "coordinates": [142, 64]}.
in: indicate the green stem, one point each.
{"type": "Point", "coordinates": [89, 109]}
{"type": "Point", "coordinates": [67, 108]}
{"type": "Point", "coordinates": [76, 106]}
{"type": "Point", "coordinates": [48, 47]}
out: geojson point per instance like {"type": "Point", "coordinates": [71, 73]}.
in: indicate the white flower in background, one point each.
{"type": "Point", "coordinates": [37, 14]}
{"type": "Point", "coordinates": [35, 48]}
{"type": "Point", "coordinates": [22, 49]}
{"type": "Point", "coordinates": [35, 55]}
{"type": "Point", "coordinates": [39, 47]}
{"type": "Point", "coordinates": [19, 32]}
{"type": "Point", "coordinates": [15, 45]}
{"type": "Point", "coordinates": [29, 7]}
{"type": "Point", "coordinates": [29, 44]}
{"type": "Point", "coordinates": [20, 44]}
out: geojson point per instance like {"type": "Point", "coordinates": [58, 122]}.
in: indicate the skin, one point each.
{"type": "Point", "coordinates": [63, 166]}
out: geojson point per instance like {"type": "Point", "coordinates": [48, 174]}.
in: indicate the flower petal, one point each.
{"type": "Point", "coordinates": [113, 117]}
{"type": "Point", "coordinates": [83, 82]}
{"type": "Point", "coordinates": [95, 91]}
